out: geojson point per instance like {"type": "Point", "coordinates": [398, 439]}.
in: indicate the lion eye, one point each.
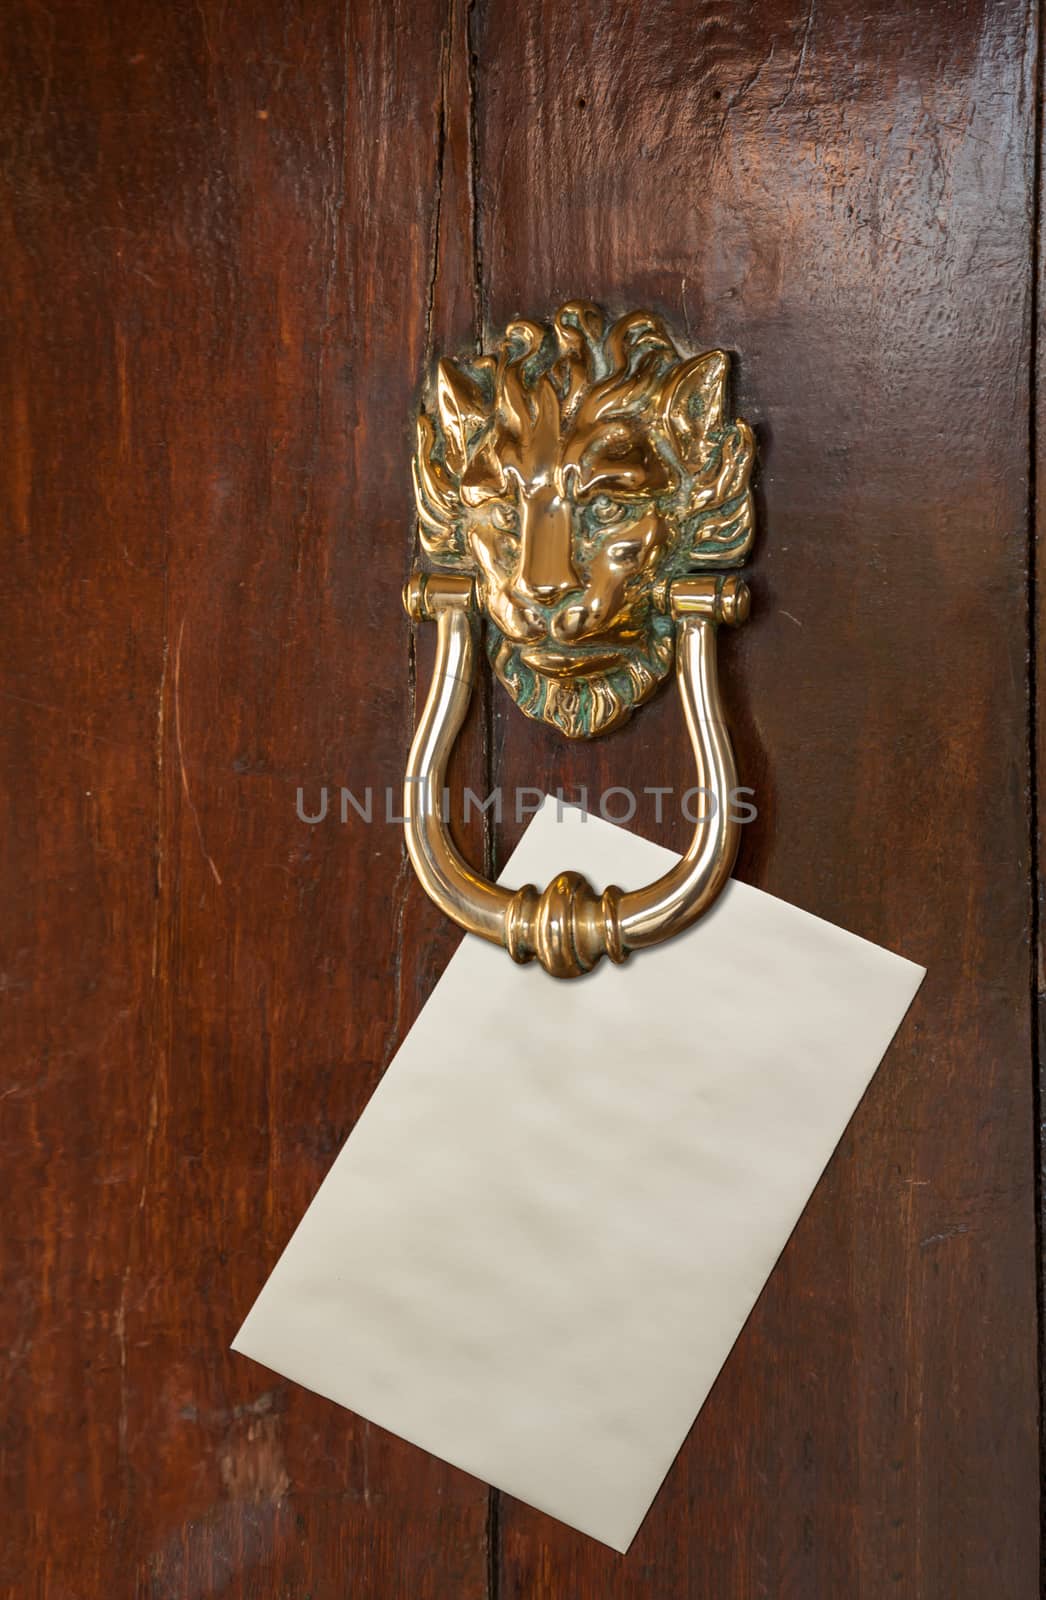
{"type": "Point", "coordinates": [607, 511]}
{"type": "Point", "coordinates": [504, 517]}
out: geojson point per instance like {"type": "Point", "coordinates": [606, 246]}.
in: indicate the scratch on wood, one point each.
{"type": "Point", "coordinates": [686, 312]}
{"type": "Point", "coordinates": [120, 1319]}
{"type": "Point", "coordinates": [750, 82]}
{"type": "Point", "coordinates": [939, 1238]}
{"type": "Point", "coordinates": [161, 714]}
{"type": "Point", "coordinates": [181, 756]}
{"type": "Point", "coordinates": [800, 60]}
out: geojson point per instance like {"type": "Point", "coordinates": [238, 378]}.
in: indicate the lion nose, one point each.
{"type": "Point", "coordinates": [545, 571]}
{"type": "Point", "coordinates": [546, 592]}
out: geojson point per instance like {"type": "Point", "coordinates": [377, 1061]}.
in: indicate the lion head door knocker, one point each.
{"type": "Point", "coordinates": [581, 489]}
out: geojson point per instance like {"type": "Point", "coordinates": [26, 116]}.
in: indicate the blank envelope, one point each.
{"type": "Point", "coordinates": [544, 1234]}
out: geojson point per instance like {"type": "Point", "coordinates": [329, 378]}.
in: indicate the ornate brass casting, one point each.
{"type": "Point", "coordinates": [575, 488]}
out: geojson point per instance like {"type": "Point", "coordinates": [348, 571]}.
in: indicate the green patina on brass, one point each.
{"type": "Point", "coordinates": [576, 471]}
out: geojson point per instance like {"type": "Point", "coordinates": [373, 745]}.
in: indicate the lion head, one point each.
{"type": "Point", "coordinates": [576, 471]}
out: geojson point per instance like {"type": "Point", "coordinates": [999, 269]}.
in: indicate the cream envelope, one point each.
{"type": "Point", "coordinates": [550, 1223]}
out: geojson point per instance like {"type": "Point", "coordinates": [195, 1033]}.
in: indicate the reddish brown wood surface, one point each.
{"type": "Point", "coordinates": [218, 238]}
{"type": "Point", "coordinates": [1037, 724]}
{"type": "Point", "coordinates": [232, 237]}
{"type": "Point", "coordinates": [844, 200]}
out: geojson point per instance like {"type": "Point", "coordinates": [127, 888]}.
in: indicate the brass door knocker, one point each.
{"type": "Point", "coordinates": [581, 490]}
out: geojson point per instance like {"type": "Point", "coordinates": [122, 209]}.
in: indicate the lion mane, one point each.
{"type": "Point", "coordinates": [551, 387]}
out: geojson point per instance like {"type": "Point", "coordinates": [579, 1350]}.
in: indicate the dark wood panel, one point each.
{"type": "Point", "coordinates": [1037, 724]}
{"type": "Point", "coordinates": [842, 197]}
{"type": "Point", "coordinates": [219, 230]}
{"type": "Point", "coordinates": [232, 238]}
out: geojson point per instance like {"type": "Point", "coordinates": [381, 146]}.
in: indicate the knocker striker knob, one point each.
{"type": "Point", "coordinates": [580, 492]}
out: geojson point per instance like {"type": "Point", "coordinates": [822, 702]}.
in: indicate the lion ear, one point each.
{"type": "Point", "coordinates": [462, 410]}
{"type": "Point", "coordinates": [694, 402]}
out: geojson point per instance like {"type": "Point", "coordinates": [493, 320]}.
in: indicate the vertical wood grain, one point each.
{"type": "Point", "coordinates": [220, 232]}
{"type": "Point", "coordinates": [1036, 727]}
{"type": "Point", "coordinates": [232, 238]}
{"type": "Point", "coordinates": [842, 198]}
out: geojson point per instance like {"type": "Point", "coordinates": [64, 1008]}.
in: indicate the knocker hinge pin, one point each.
{"type": "Point", "coordinates": [721, 597]}
{"type": "Point", "coordinates": [426, 594]}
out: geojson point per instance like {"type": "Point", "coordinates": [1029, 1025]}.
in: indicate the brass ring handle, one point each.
{"type": "Point", "coordinates": [568, 926]}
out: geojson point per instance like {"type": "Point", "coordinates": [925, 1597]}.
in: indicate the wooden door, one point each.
{"type": "Point", "coordinates": [233, 237]}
